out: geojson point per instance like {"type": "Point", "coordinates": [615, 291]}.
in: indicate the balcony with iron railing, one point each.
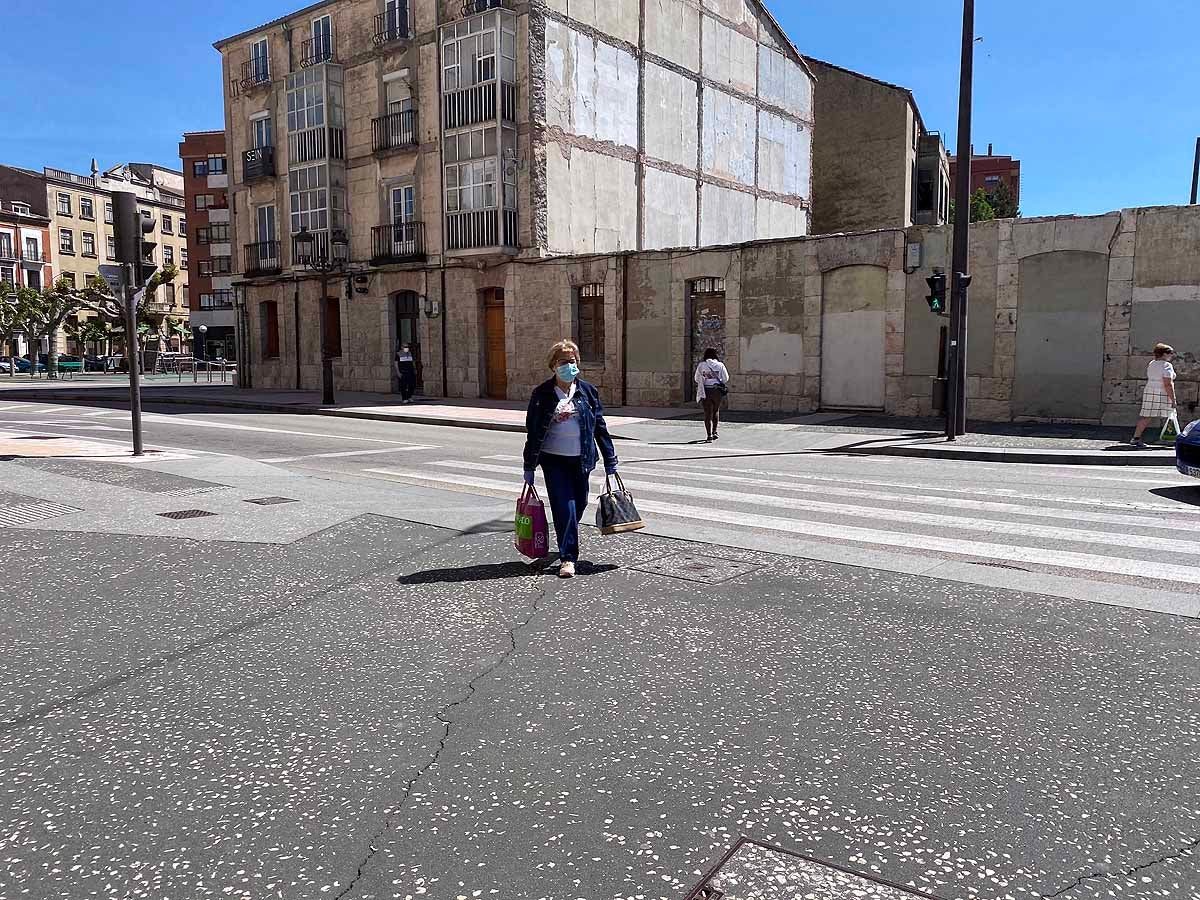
{"type": "Point", "coordinates": [478, 103]}
{"type": "Point", "coordinates": [30, 255]}
{"type": "Point", "coordinates": [315, 51]}
{"type": "Point", "coordinates": [395, 131]}
{"type": "Point", "coordinates": [391, 26]}
{"type": "Point", "coordinates": [256, 72]}
{"type": "Point", "coordinates": [262, 258]}
{"type": "Point", "coordinates": [7, 253]}
{"type": "Point", "coordinates": [480, 229]}
{"type": "Point", "coordinates": [258, 163]}
{"type": "Point", "coordinates": [399, 243]}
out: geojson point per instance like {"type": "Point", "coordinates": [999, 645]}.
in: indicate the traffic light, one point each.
{"type": "Point", "coordinates": [937, 293]}
{"type": "Point", "coordinates": [133, 231]}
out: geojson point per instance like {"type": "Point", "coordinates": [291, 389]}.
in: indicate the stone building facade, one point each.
{"type": "Point", "coordinates": [876, 165]}
{"type": "Point", "coordinates": [80, 208]}
{"type": "Point", "coordinates": [428, 144]}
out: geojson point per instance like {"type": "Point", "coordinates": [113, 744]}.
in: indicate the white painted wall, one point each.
{"type": "Point", "coordinates": [616, 17]}
{"type": "Point", "coordinates": [730, 58]}
{"type": "Point", "coordinates": [589, 209]}
{"type": "Point", "coordinates": [853, 319]}
{"type": "Point", "coordinates": [673, 32]}
{"type": "Point", "coordinates": [672, 111]}
{"type": "Point", "coordinates": [784, 156]}
{"type": "Point", "coordinates": [784, 84]}
{"type": "Point", "coordinates": [727, 216]}
{"type": "Point", "coordinates": [591, 87]}
{"type": "Point", "coordinates": [771, 352]}
{"type": "Point", "coordinates": [780, 220]}
{"type": "Point", "coordinates": [728, 137]}
{"type": "Point", "coordinates": [670, 210]}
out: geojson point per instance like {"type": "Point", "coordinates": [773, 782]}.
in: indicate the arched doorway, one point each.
{"type": "Point", "coordinates": [406, 313]}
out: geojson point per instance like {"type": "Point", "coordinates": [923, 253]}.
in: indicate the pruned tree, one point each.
{"type": "Point", "coordinates": [10, 322]}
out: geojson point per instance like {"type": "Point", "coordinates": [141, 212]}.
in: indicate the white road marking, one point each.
{"type": "Point", "coordinates": [12, 407]}
{"type": "Point", "coordinates": [181, 420]}
{"type": "Point", "coordinates": [287, 459]}
{"type": "Point", "coordinates": [899, 516]}
{"type": "Point", "coordinates": [1062, 559]}
{"type": "Point", "coordinates": [916, 485]}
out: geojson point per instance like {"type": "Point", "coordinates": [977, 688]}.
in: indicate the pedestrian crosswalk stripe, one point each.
{"type": "Point", "coordinates": [341, 453]}
{"type": "Point", "coordinates": [836, 488]}
{"type": "Point", "coordinates": [901, 516]}
{"type": "Point", "coordinates": [827, 530]}
{"type": "Point", "coordinates": [988, 493]}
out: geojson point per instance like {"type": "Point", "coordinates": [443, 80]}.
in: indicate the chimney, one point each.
{"type": "Point", "coordinates": [989, 149]}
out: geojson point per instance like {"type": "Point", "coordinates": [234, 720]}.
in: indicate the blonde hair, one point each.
{"type": "Point", "coordinates": [563, 346]}
{"type": "Point", "coordinates": [1161, 350]}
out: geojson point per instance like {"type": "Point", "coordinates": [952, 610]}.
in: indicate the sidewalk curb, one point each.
{"type": "Point", "coordinates": [977, 454]}
{"type": "Point", "coordinates": [1013, 455]}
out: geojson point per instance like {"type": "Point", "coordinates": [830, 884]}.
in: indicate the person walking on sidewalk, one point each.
{"type": "Point", "coordinates": [563, 425]}
{"type": "Point", "coordinates": [1158, 399]}
{"type": "Point", "coordinates": [712, 385]}
{"type": "Point", "coordinates": [405, 367]}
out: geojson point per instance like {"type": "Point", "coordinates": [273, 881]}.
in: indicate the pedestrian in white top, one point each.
{"type": "Point", "coordinates": [1158, 399]}
{"type": "Point", "coordinates": [712, 386]}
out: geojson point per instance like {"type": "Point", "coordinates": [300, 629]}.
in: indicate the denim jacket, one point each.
{"type": "Point", "coordinates": [592, 427]}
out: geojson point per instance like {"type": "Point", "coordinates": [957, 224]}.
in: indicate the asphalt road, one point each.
{"type": "Point", "coordinates": [361, 694]}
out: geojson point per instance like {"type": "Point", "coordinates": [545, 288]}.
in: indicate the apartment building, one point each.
{"type": "Point", "coordinates": [81, 213]}
{"type": "Point", "coordinates": [989, 171]}
{"type": "Point", "coordinates": [431, 145]}
{"type": "Point", "coordinates": [26, 259]}
{"type": "Point", "coordinates": [210, 265]}
{"type": "Point", "coordinates": [877, 165]}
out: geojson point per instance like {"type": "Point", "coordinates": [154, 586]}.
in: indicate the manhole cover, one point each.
{"type": "Point", "coordinates": [701, 569]}
{"type": "Point", "coordinates": [756, 871]}
{"type": "Point", "coordinates": [187, 514]}
{"type": "Point", "coordinates": [272, 501]}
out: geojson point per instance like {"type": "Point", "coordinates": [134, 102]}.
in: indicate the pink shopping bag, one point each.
{"type": "Point", "coordinates": [532, 532]}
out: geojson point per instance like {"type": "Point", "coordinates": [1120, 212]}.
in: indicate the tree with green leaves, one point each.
{"type": "Point", "coordinates": [981, 209]}
{"type": "Point", "coordinates": [10, 323]}
{"type": "Point", "coordinates": [1003, 203]}
{"type": "Point", "coordinates": [42, 313]}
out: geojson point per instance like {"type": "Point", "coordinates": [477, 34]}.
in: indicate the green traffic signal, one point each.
{"type": "Point", "coordinates": [937, 293]}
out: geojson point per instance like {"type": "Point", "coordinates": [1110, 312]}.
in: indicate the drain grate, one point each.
{"type": "Point", "coordinates": [754, 870]}
{"type": "Point", "coordinates": [700, 569]}
{"type": "Point", "coordinates": [996, 565]}
{"type": "Point", "coordinates": [187, 514]}
{"type": "Point", "coordinates": [271, 501]}
{"type": "Point", "coordinates": [34, 512]}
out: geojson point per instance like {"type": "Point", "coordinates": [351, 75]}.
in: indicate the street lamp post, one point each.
{"type": "Point", "coordinates": [325, 264]}
{"type": "Point", "coordinates": [203, 329]}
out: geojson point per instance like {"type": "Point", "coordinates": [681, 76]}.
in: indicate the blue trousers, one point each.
{"type": "Point", "coordinates": [567, 485]}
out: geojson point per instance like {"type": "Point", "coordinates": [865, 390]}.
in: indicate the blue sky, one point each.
{"type": "Point", "coordinates": [1098, 98]}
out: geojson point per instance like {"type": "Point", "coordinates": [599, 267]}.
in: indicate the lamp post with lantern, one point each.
{"type": "Point", "coordinates": [324, 264]}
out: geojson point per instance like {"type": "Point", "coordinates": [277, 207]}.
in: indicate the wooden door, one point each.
{"type": "Point", "coordinates": [497, 357]}
{"type": "Point", "coordinates": [408, 331]}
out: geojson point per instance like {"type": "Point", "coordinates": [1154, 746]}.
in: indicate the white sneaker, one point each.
{"type": "Point", "coordinates": [566, 570]}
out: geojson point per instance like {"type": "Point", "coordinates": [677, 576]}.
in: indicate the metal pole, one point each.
{"type": "Point", "coordinates": [135, 382]}
{"type": "Point", "coordinates": [326, 357]}
{"type": "Point", "coordinates": [1196, 175]}
{"type": "Point", "coordinates": [956, 406]}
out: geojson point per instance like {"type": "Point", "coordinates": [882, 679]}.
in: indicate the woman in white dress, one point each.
{"type": "Point", "coordinates": [1158, 400]}
{"type": "Point", "coordinates": [712, 384]}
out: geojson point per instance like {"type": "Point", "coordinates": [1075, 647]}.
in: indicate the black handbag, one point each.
{"type": "Point", "coordinates": [616, 513]}
{"type": "Point", "coordinates": [720, 388]}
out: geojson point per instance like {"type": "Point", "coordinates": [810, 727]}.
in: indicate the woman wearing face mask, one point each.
{"type": "Point", "coordinates": [405, 367]}
{"type": "Point", "coordinates": [564, 424]}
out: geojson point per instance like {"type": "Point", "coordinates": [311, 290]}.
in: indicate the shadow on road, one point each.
{"type": "Point", "coordinates": [494, 572]}
{"type": "Point", "coordinates": [1189, 494]}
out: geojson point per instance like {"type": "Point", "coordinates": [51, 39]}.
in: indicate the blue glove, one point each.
{"type": "Point", "coordinates": [530, 477]}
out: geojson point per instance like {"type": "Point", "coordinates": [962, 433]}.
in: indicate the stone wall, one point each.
{"type": "Point", "coordinates": [1064, 315]}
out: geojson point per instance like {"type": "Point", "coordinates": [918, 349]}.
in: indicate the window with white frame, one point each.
{"type": "Point", "coordinates": [168, 256]}
{"type": "Point", "coordinates": [21, 209]}
{"type": "Point", "coordinates": [260, 62]}
{"type": "Point", "coordinates": [32, 249]}
{"type": "Point", "coordinates": [6, 245]}
{"type": "Point", "coordinates": [108, 214]}
{"type": "Point", "coordinates": [183, 256]}
{"type": "Point", "coordinates": [89, 243]}
{"type": "Point", "coordinates": [64, 204]}
{"type": "Point", "coordinates": [308, 189]}
{"type": "Point", "coordinates": [261, 132]}
{"type": "Point", "coordinates": [86, 209]}
{"type": "Point", "coordinates": [66, 241]}
{"type": "Point", "coordinates": [168, 225]}
{"type": "Point", "coordinates": [216, 164]}
{"type": "Point", "coordinates": [204, 201]}
{"type": "Point", "coordinates": [471, 185]}
{"type": "Point", "coordinates": [69, 278]}
{"type": "Point", "coordinates": [469, 50]}
{"type": "Point", "coordinates": [322, 38]}
{"type": "Point", "coordinates": [170, 293]}
{"type": "Point", "coordinates": [306, 100]}
{"type": "Point", "coordinates": [111, 249]}
{"type": "Point", "coordinates": [8, 274]}
{"type": "Point", "coordinates": [182, 225]}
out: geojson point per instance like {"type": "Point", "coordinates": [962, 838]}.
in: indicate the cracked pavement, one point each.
{"type": "Point", "coordinates": [268, 705]}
